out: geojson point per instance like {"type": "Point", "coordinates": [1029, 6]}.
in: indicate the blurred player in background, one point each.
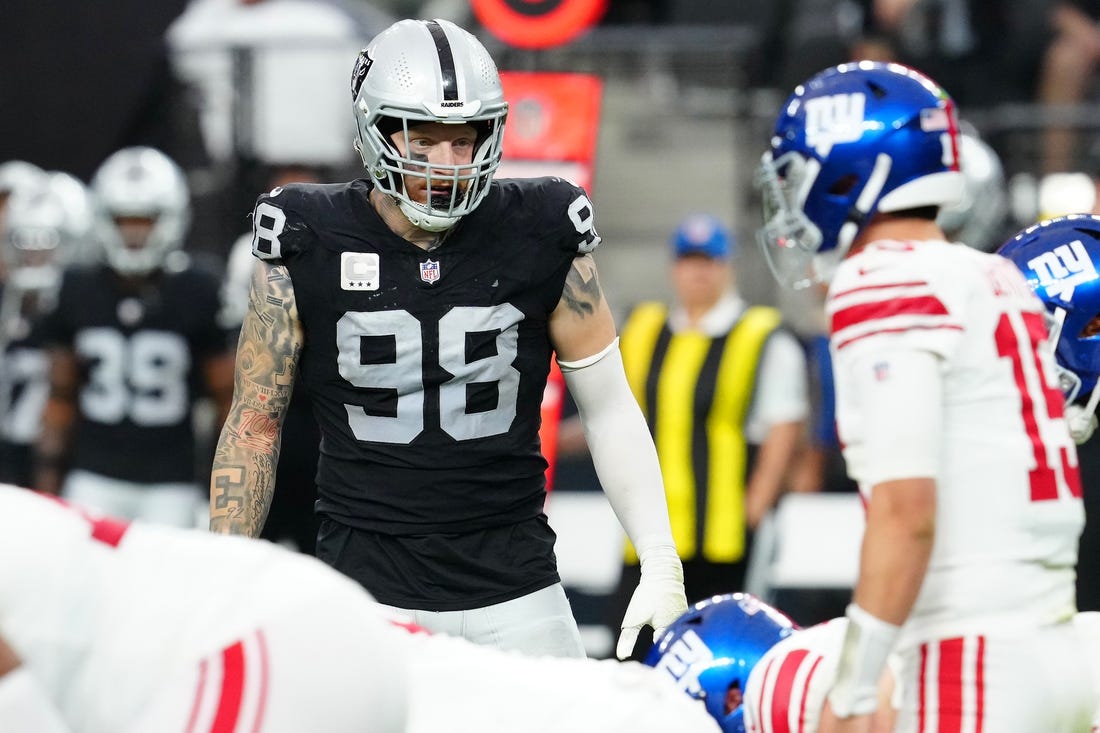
{"type": "Point", "coordinates": [112, 627]}
{"type": "Point", "coordinates": [980, 218]}
{"type": "Point", "coordinates": [16, 174]}
{"type": "Point", "coordinates": [48, 225]}
{"type": "Point", "coordinates": [950, 419]}
{"type": "Point", "coordinates": [420, 306]}
{"type": "Point", "coordinates": [134, 341]}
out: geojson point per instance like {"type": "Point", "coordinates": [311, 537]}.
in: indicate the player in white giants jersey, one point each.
{"type": "Point", "coordinates": [949, 413]}
{"type": "Point", "coordinates": [786, 689]}
{"type": "Point", "coordinates": [110, 627]}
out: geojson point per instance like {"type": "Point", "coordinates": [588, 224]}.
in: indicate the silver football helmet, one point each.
{"type": "Point", "coordinates": [17, 173]}
{"type": "Point", "coordinates": [420, 71]}
{"type": "Point", "coordinates": [141, 183]}
{"type": "Point", "coordinates": [978, 219]}
{"type": "Point", "coordinates": [49, 225]}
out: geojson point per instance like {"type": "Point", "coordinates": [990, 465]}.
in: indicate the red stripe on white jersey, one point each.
{"type": "Point", "coordinates": [765, 727]}
{"type": "Point", "coordinates": [877, 310]}
{"type": "Point", "coordinates": [232, 689]}
{"type": "Point", "coordinates": [950, 678]}
{"type": "Point", "coordinates": [196, 704]}
{"type": "Point", "coordinates": [878, 286]}
{"type": "Point", "coordinates": [878, 332]}
{"type": "Point", "coordinates": [922, 686]}
{"type": "Point", "coordinates": [229, 702]}
{"type": "Point", "coordinates": [784, 688]}
{"type": "Point", "coordinates": [952, 686]}
{"type": "Point", "coordinates": [265, 677]}
{"type": "Point", "coordinates": [806, 695]}
{"type": "Point", "coordinates": [979, 683]}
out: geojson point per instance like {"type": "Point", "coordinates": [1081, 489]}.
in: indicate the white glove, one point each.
{"type": "Point", "coordinates": [1082, 422]}
{"type": "Point", "coordinates": [659, 598]}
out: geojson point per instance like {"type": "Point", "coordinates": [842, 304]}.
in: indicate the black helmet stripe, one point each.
{"type": "Point", "coordinates": [446, 60]}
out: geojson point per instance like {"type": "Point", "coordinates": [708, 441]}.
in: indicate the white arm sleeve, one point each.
{"type": "Point", "coordinates": [621, 446]}
{"type": "Point", "coordinates": [24, 706]}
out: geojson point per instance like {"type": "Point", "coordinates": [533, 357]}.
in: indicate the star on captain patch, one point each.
{"type": "Point", "coordinates": [359, 271]}
{"type": "Point", "coordinates": [429, 271]}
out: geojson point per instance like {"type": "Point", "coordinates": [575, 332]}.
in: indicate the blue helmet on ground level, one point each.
{"type": "Point", "coordinates": [711, 649]}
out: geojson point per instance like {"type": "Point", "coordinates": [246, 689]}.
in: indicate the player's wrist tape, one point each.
{"type": "Point", "coordinates": [867, 644]}
{"type": "Point", "coordinates": [24, 706]}
{"type": "Point", "coordinates": [658, 558]}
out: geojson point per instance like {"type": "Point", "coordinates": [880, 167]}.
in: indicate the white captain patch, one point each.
{"type": "Point", "coordinates": [359, 271]}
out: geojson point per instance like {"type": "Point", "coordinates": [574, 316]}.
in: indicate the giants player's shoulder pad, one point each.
{"type": "Point", "coordinates": [286, 219]}
{"type": "Point", "coordinates": [560, 212]}
{"type": "Point", "coordinates": [900, 290]}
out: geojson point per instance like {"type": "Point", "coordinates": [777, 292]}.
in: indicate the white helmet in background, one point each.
{"type": "Point", "coordinates": [17, 173]}
{"type": "Point", "coordinates": [421, 71]}
{"type": "Point", "coordinates": [141, 183]}
{"type": "Point", "coordinates": [49, 224]}
{"type": "Point", "coordinates": [978, 220]}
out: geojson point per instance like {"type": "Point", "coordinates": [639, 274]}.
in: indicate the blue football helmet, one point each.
{"type": "Point", "coordinates": [1059, 258]}
{"type": "Point", "coordinates": [855, 140]}
{"type": "Point", "coordinates": [712, 648]}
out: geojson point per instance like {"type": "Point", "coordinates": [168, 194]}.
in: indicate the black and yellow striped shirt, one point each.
{"type": "Point", "coordinates": [696, 391]}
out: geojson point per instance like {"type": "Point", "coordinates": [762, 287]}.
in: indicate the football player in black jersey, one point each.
{"type": "Point", "coordinates": [421, 307]}
{"type": "Point", "coordinates": [133, 342]}
{"type": "Point", "coordinates": [48, 224]}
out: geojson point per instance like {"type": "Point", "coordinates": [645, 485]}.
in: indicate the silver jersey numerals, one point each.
{"type": "Point", "coordinates": [405, 373]}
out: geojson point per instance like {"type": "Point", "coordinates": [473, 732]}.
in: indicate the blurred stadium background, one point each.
{"type": "Point", "coordinates": [689, 88]}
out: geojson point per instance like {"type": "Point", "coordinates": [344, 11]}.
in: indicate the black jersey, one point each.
{"type": "Point", "coordinates": [140, 356]}
{"type": "Point", "coordinates": [24, 387]}
{"type": "Point", "coordinates": [426, 369]}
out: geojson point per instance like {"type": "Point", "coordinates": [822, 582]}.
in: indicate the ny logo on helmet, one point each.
{"type": "Point", "coordinates": [837, 118]}
{"type": "Point", "coordinates": [683, 658]}
{"type": "Point", "coordinates": [1063, 268]}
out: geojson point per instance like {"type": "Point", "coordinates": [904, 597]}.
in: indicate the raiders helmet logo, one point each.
{"type": "Point", "coordinates": [359, 73]}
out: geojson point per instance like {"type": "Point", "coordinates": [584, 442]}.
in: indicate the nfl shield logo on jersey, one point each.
{"type": "Point", "coordinates": [429, 271]}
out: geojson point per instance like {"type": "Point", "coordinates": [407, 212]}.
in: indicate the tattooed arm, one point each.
{"type": "Point", "coordinates": [583, 333]}
{"type": "Point", "coordinates": [242, 479]}
{"type": "Point", "coordinates": [582, 324]}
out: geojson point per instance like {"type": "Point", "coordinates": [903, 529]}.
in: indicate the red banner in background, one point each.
{"type": "Point", "coordinates": [553, 125]}
{"type": "Point", "coordinates": [538, 23]}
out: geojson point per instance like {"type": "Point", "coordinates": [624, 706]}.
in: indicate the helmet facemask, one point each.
{"type": "Point", "coordinates": [788, 238]}
{"type": "Point", "coordinates": [468, 183]}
